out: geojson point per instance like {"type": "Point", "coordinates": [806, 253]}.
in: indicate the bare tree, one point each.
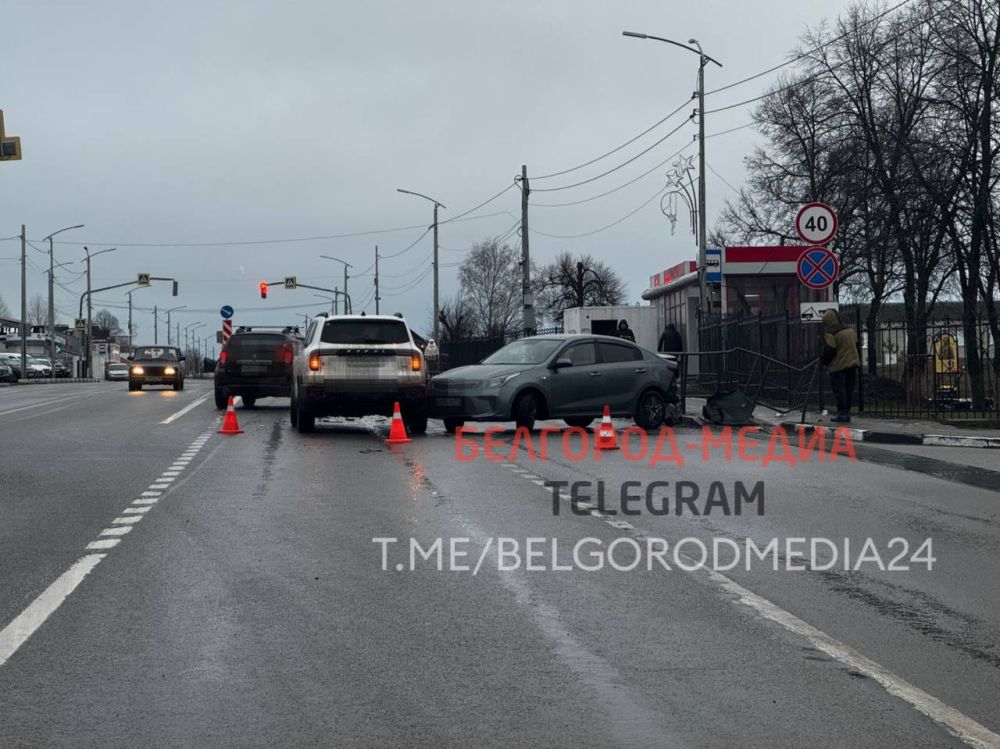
{"type": "Point", "coordinates": [456, 319]}
{"type": "Point", "coordinates": [38, 311]}
{"type": "Point", "coordinates": [104, 319]}
{"type": "Point", "coordinates": [490, 282]}
{"type": "Point", "coordinates": [4, 309]}
{"type": "Point", "coordinates": [578, 282]}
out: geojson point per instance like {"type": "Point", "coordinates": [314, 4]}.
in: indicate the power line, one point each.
{"type": "Point", "coordinates": [724, 180]}
{"type": "Point", "coordinates": [471, 210]}
{"type": "Point", "coordinates": [399, 290]}
{"type": "Point", "coordinates": [407, 248]}
{"type": "Point", "coordinates": [620, 187]}
{"type": "Point", "coordinates": [615, 169]}
{"type": "Point", "coordinates": [608, 226]}
{"type": "Point", "coordinates": [731, 130]}
{"type": "Point", "coordinates": [619, 148]}
{"type": "Point", "coordinates": [413, 270]}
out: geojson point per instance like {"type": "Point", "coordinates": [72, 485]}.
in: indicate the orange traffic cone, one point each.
{"type": "Point", "coordinates": [606, 437]}
{"type": "Point", "coordinates": [229, 424]}
{"type": "Point", "coordinates": [397, 432]}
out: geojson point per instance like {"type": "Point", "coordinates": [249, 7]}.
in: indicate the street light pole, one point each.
{"type": "Point", "coordinates": [89, 305]}
{"type": "Point", "coordinates": [437, 299]}
{"type": "Point", "coordinates": [703, 60]}
{"type": "Point", "coordinates": [172, 309]}
{"type": "Point", "coordinates": [52, 304]}
{"type": "Point", "coordinates": [348, 307]}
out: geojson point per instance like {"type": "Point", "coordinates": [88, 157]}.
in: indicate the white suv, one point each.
{"type": "Point", "coordinates": [359, 365]}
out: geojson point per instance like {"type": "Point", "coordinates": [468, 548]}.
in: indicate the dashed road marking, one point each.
{"type": "Point", "coordinates": [119, 530]}
{"type": "Point", "coordinates": [173, 417]}
{"type": "Point", "coordinates": [127, 519]}
{"type": "Point", "coordinates": [28, 621]}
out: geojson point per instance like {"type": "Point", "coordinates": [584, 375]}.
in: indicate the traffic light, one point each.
{"type": "Point", "coordinates": [263, 289]}
{"type": "Point", "coordinates": [175, 289]}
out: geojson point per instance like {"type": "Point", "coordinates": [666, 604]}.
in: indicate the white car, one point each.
{"type": "Point", "coordinates": [359, 365]}
{"type": "Point", "coordinates": [117, 371]}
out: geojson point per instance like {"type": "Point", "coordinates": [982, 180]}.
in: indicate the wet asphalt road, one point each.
{"type": "Point", "coordinates": [249, 607]}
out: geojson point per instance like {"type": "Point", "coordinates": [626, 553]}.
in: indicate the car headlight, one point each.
{"type": "Point", "coordinates": [498, 382]}
{"type": "Point", "coordinates": [169, 371]}
{"type": "Point", "coordinates": [138, 370]}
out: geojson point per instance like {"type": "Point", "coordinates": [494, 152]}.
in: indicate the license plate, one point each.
{"type": "Point", "coordinates": [448, 402]}
{"type": "Point", "coordinates": [253, 368]}
{"type": "Point", "coordinates": [363, 361]}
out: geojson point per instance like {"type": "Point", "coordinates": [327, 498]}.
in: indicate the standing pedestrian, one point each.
{"type": "Point", "coordinates": [670, 341]}
{"type": "Point", "coordinates": [840, 356]}
{"type": "Point", "coordinates": [624, 331]}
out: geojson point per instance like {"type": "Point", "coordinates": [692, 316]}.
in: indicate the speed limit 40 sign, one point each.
{"type": "Point", "coordinates": [816, 223]}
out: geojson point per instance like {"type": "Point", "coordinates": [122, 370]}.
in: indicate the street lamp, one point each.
{"type": "Point", "coordinates": [347, 300]}
{"type": "Point", "coordinates": [52, 304]}
{"type": "Point", "coordinates": [703, 60]}
{"type": "Point", "coordinates": [192, 327]}
{"type": "Point", "coordinates": [87, 261]}
{"type": "Point", "coordinates": [130, 293]}
{"type": "Point", "coordinates": [437, 205]}
{"type": "Point", "coordinates": [172, 309]}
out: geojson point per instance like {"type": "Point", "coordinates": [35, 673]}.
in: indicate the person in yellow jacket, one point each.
{"type": "Point", "coordinates": [840, 356]}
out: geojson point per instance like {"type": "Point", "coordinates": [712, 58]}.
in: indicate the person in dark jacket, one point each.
{"type": "Point", "coordinates": [670, 341]}
{"type": "Point", "coordinates": [840, 355]}
{"type": "Point", "coordinates": [624, 331]}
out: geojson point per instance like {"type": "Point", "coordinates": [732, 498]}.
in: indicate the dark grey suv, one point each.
{"type": "Point", "coordinates": [569, 377]}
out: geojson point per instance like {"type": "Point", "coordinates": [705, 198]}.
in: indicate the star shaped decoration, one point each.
{"type": "Point", "coordinates": [684, 164]}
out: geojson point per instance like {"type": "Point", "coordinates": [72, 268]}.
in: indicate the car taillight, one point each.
{"type": "Point", "coordinates": [415, 362]}
{"type": "Point", "coordinates": [224, 356]}
{"type": "Point", "coordinates": [288, 357]}
{"type": "Point", "coordinates": [314, 363]}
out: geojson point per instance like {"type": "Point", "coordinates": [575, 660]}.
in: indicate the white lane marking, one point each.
{"type": "Point", "coordinates": [151, 494]}
{"type": "Point", "coordinates": [528, 476]}
{"type": "Point", "coordinates": [963, 727]}
{"type": "Point", "coordinates": [538, 481]}
{"type": "Point", "coordinates": [119, 530]}
{"type": "Point", "coordinates": [147, 501]}
{"type": "Point", "coordinates": [42, 404]}
{"type": "Point", "coordinates": [103, 543]}
{"type": "Point", "coordinates": [127, 519]}
{"type": "Point", "coordinates": [28, 621]}
{"type": "Point", "coordinates": [164, 479]}
{"type": "Point", "coordinates": [173, 417]}
{"type": "Point", "coordinates": [172, 473]}
{"type": "Point", "coordinates": [159, 486]}
{"type": "Point", "coordinates": [135, 510]}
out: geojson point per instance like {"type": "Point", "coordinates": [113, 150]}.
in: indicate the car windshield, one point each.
{"type": "Point", "coordinates": [153, 352]}
{"type": "Point", "coordinates": [365, 331]}
{"type": "Point", "coordinates": [117, 366]}
{"type": "Point", "coordinates": [527, 351]}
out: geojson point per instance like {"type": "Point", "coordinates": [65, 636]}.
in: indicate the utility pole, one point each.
{"type": "Point", "coordinates": [706, 303]}
{"type": "Point", "coordinates": [528, 316]}
{"type": "Point", "coordinates": [52, 307]}
{"type": "Point", "coordinates": [130, 322]}
{"type": "Point", "coordinates": [177, 329]}
{"type": "Point", "coordinates": [24, 304]}
{"type": "Point", "coordinates": [336, 301]}
{"type": "Point", "coordinates": [377, 298]}
{"type": "Point", "coordinates": [437, 299]}
{"type": "Point", "coordinates": [156, 327]}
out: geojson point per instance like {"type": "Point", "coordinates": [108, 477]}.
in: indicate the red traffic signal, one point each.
{"type": "Point", "coordinates": [263, 289]}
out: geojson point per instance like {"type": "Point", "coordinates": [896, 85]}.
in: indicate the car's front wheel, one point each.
{"type": "Point", "coordinates": [526, 410]}
{"type": "Point", "coordinates": [249, 401]}
{"type": "Point", "coordinates": [580, 422]}
{"type": "Point", "coordinates": [651, 410]}
{"type": "Point", "coordinates": [450, 425]}
{"type": "Point", "coordinates": [133, 386]}
{"type": "Point", "coordinates": [302, 418]}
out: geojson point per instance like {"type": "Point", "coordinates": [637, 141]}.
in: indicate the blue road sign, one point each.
{"type": "Point", "coordinates": [818, 268]}
{"type": "Point", "coordinates": [226, 312]}
{"type": "Point", "coordinates": [713, 265]}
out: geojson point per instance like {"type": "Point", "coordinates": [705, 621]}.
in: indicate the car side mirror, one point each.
{"type": "Point", "coordinates": [128, 358]}
{"type": "Point", "coordinates": [562, 363]}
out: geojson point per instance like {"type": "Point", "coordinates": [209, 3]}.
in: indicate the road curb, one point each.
{"type": "Point", "coordinates": [904, 438]}
{"type": "Point", "coordinates": [57, 381]}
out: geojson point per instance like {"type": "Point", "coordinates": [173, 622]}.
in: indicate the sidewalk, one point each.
{"type": "Point", "coordinates": [866, 429]}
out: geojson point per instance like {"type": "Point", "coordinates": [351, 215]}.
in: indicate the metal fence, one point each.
{"type": "Point", "coordinates": [471, 350]}
{"type": "Point", "coordinates": [904, 373]}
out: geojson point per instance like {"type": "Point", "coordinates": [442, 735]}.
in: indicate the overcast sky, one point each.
{"type": "Point", "coordinates": [199, 122]}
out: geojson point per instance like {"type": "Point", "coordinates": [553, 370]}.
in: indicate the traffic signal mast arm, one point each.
{"type": "Point", "coordinates": [265, 284]}
{"type": "Point", "coordinates": [91, 292]}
